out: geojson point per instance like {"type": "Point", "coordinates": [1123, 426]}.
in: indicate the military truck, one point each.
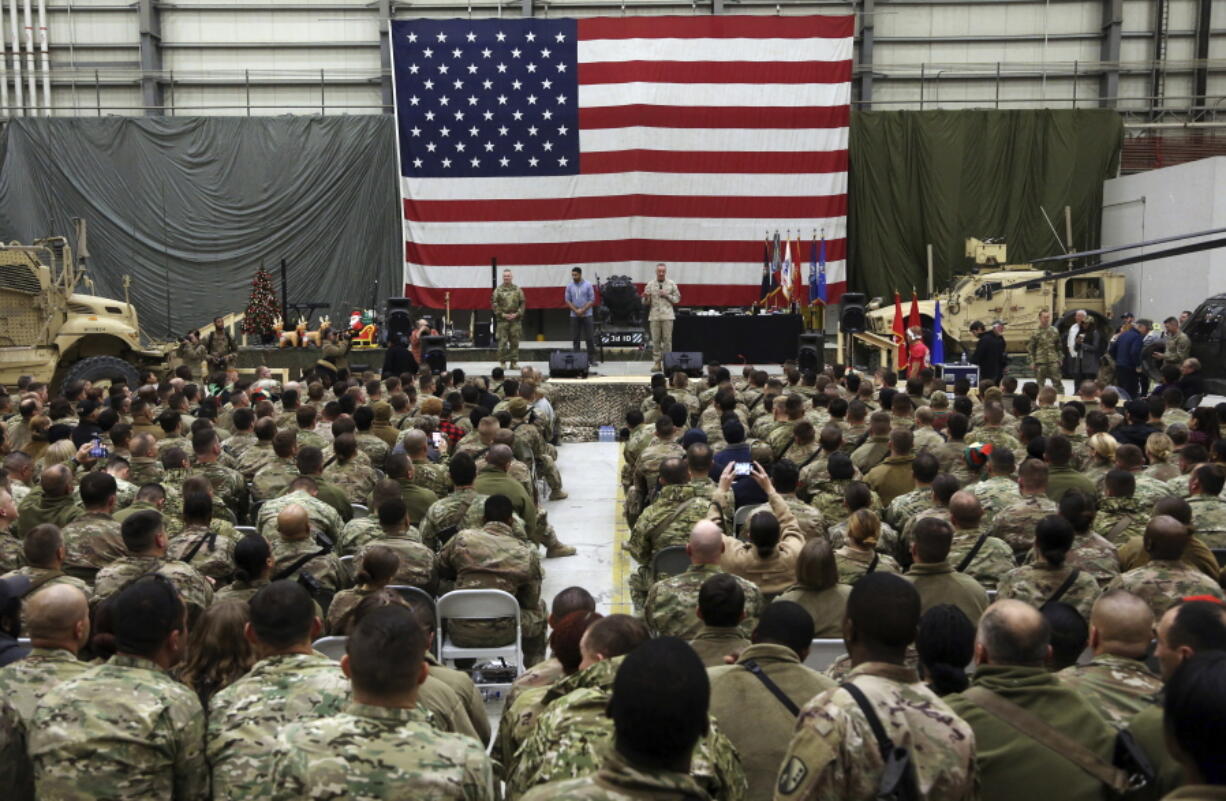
{"type": "Point", "coordinates": [51, 332]}
{"type": "Point", "coordinates": [991, 291]}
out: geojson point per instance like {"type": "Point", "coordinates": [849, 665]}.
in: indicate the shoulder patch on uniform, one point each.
{"type": "Point", "coordinates": [792, 775]}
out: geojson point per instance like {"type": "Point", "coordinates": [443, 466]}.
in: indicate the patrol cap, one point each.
{"type": "Point", "coordinates": [11, 590]}
{"type": "Point", "coordinates": [997, 322]}
{"type": "Point", "coordinates": [518, 407]}
{"type": "Point", "coordinates": [1127, 316]}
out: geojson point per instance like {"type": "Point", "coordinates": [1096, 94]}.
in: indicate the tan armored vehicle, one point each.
{"type": "Point", "coordinates": [982, 295]}
{"type": "Point", "coordinates": [51, 332]}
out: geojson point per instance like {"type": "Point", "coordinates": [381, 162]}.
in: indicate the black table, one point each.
{"type": "Point", "coordinates": [737, 338]}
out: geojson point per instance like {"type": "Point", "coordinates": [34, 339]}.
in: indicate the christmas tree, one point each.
{"type": "Point", "coordinates": [262, 308]}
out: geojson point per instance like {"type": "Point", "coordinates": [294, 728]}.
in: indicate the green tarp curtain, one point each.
{"type": "Point", "coordinates": [920, 177]}
{"type": "Point", "coordinates": [191, 206]}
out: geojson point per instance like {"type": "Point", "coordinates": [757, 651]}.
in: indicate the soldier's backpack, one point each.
{"type": "Point", "coordinates": [897, 781]}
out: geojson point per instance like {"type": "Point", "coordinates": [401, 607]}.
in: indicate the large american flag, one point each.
{"type": "Point", "coordinates": [616, 143]}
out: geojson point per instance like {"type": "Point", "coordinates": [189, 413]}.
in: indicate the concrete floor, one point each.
{"type": "Point", "coordinates": [588, 519]}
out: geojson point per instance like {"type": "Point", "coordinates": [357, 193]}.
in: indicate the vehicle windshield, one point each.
{"type": "Point", "coordinates": [1207, 319]}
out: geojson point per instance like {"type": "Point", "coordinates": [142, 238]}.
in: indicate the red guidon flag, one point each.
{"type": "Point", "coordinates": [615, 143]}
{"type": "Point", "coordinates": [900, 338]}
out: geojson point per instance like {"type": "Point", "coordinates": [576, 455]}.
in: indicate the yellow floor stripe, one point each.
{"type": "Point", "coordinates": [620, 601]}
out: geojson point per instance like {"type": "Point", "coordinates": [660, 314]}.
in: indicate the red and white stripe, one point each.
{"type": "Point", "coordinates": [698, 135]}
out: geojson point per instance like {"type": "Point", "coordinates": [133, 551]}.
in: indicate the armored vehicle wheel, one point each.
{"type": "Point", "coordinates": [103, 368]}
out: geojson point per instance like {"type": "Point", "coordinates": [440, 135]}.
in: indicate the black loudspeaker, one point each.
{"type": "Point", "coordinates": [689, 362]}
{"type": "Point", "coordinates": [852, 319]}
{"type": "Point", "coordinates": [398, 320]}
{"type": "Point", "coordinates": [434, 353]}
{"type": "Point", "coordinates": [568, 364]}
{"type": "Point", "coordinates": [811, 352]}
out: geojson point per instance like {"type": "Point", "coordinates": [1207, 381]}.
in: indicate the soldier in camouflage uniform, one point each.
{"type": "Point", "coordinates": [93, 540]}
{"type": "Point", "coordinates": [294, 542]}
{"type": "Point", "coordinates": [924, 470]}
{"type": "Point", "coordinates": [385, 745]}
{"type": "Point", "coordinates": [566, 740]}
{"type": "Point", "coordinates": [50, 502]}
{"type": "Point", "coordinates": [667, 521]}
{"type": "Point", "coordinates": [324, 519]}
{"type": "Point", "coordinates": [374, 447]}
{"type": "Point", "coordinates": [492, 558]}
{"type": "Point", "coordinates": [1045, 352]}
{"type": "Point", "coordinates": [508, 305]}
{"type": "Point", "coordinates": [1038, 581]}
{"type": "Point", "coordinates": [833, 753]}
{"type": "Point", "coordinates": [289, 684]}
{"type": "Point", "coordinates": [647, 466]}
{"type": "Point", "coordinates": [1208, 509]}
{"type": "Point", "coordinates": [672, 603]}
{"type": "Point", "coordinates": [1117, 681]}
{"type": "Point", "coordinates": [994, 557]}
{"type": "Point", "coordinates": [1165, 579]}
{"type": "Point", "coordinates": [999, 489]}
{"type": "Point", "coordinates": [993, 430]}
{"type": "Point", "coordinates": [417, 567]}
{"type": "Point", "coordinates": [274, 477]}
{"type": "Point", "coordinates": [530, 436]}
{"type": "Point", "coordinates": [447, 515]}
{"type": "Point", "coordinates": [353, 477]}
{"type": "Point", "coordinates": [259, 454]}
{"type": "Point", "coordinates": [1015, 522]}
{"type": "Point", "coordinates": [145, 538]}
{"type": "Point", "coordinates": [660, 687]}
{"type": "Point", "coordinates": [433, 477]}
{"type": "Point", "coordinates": [57, 620]}
{"type": "Point", "coordinates": [125, 729]}
{"type": "Point", "coordinates": [1120, 516]}
{"type": "Point", "coordinates": [243, 436]}
{"type": "Point", "coordinates": [209, 543]}
{"type": "Point", "coordinates": [1178, 345]}
{"type": "Point", "coordinates": [228, 484]}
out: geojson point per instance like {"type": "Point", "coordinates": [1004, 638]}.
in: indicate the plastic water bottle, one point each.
{"type": "Point", "coordinates": [607, 434]}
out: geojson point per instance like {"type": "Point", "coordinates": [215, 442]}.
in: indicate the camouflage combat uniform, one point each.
{"type": "Point", "coordinates": [245, 717]}
{"type": "Point", "coordinates": [433, 477]}
{"type": "Point", "coordinates": [905, 506]}
{"type": "Point", "coordinates": [324, 519]}
{"type": "Point", "coordinates": [994, 494]}
{"type": "Point", "coordinates": [852, 564]}
{"type": "Point", "coordinates": [91, 542]}
{"type": "Point", "coordinates": [667, 521]}
{"type": "Point", "coordinates": [1149, 491]}
{"type": "Point", "coordinates": [1046, 356]}
{"type": "Point", "coordinates": [1119, 519]}
{"type": "Point", "coordinates": [450, 512]}
{"type": "Point", "coordinates": [193, 588]}
{"type": "Point", "coordinates": [1162, 582]}
{"type": "Point", "coordinates": [24, 683]}
{"type": "Point", "coordinates": [671, 609]}
{"type": "Point", "coordinates": [215, 558]}
{"type": "Point", "coordinates": [372, 752]}
{"type": "Point", "coordinates": [567, 740]}
{"type": "Point", "coordinates": [375, 449]}
{"type": "Point", "coordinates": [353, 478]}
{"type": "Point", "coordinates": [888, 540]}
{"type": "Point", "coordinates": [238, 444]}
{"type": "Point", "coordinates": [646, 471]}
{"type": "Point", "coordinates": [417, 568]}
{"type": "Point", "coordinates": [1178, 348]}
{"type": "Point", "coordinates": [122, 730]}
{"type": "Point", "coordinates": [1209, 519]}
{"type": "Point", "coordinates": [834, 753]}
{"type": "Point", "coordinates": [228, 485]}
{"type": "Point", "coordinates": [1116, 686]}
{"type": "Point", "coordinates": [618, 780]}
{"type": "Point", "coordinates": [508, 299]}
{"type": "Point", "coordinates": [1015, 523]}
{"type": "Point", "coordinates": [827, 498]}
{"type": "Point", "coordinates": [1049, 417]}
{"type": "Point", "coordinates": [811, 522]}
{"type": "Point", "coordinates": [493, 558]}
{"type": "Point", "coordinates": [991, 563]}
{"type": "Point", "coordinates": [255, 458]}
{"type": "Point", "coordinates": [326, 568]}
{"type": "Point", "coordinates": [1037, 583]}
{"type": "Point", "coordinates": [273, 478]}
{"type": "Point", "coordinates": [1095, 555]}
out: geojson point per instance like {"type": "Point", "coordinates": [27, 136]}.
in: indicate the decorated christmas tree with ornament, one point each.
{"type": "Point", "coordinates": [262, 307]}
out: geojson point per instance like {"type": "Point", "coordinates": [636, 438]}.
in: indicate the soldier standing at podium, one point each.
{"type": "Point", "coordinates": [660, 296]}
{"type": "Point", "coordinates": [508, 304]}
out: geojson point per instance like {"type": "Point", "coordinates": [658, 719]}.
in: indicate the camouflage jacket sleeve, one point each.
{"type": "Point", "coordinates": [191, 769]}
